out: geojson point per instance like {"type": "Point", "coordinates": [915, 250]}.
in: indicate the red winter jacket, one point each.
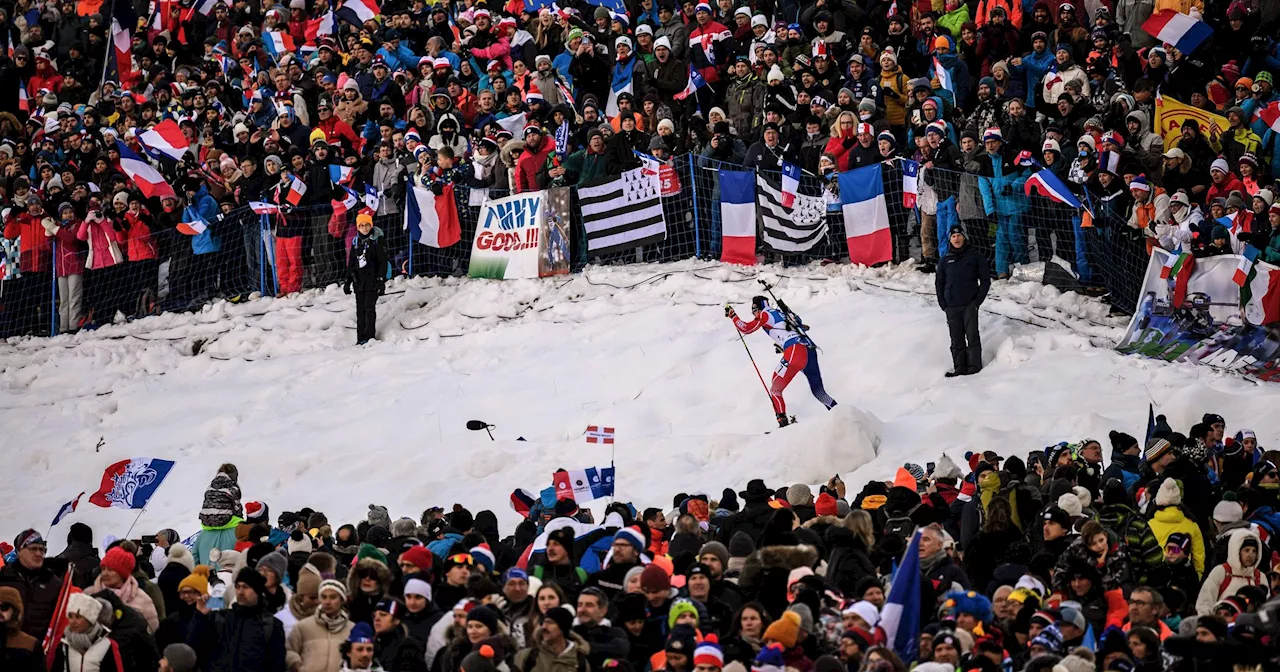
{"type": "Point", "coordinates": [835, 147]}
{"type": "Point", "coordinates": [531, 162]}
{"type": "Point", "coordinates": [137, 235]}
{"type": "Point", "coordinates": [69, 258]}
{"type": "Point", "coordinates": [34, 248]}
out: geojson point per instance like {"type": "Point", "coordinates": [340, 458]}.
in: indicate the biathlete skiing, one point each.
{"type": "Point", "coordinates": [790, 338]}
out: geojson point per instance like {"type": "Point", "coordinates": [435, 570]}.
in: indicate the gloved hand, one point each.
{"type": "Point", "coordinates": [848, 142]}
{"type": "Point", "coordinates": [346, 287]}
{"type": "Point", "coordinates": [777, 348]}
{"type": "Point", "coordinates": [728, 311]}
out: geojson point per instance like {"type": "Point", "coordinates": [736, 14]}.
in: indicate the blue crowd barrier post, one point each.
{"type": "Point", "coordinates": [693, 188]}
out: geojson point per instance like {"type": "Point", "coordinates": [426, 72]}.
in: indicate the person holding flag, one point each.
{"type": "Point", "coordinates": [791, 339]}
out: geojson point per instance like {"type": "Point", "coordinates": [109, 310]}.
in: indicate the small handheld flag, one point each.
{"type": "Point", "coordinates": [910, 186]}
{"type": "Point", "coordinates": [1173, 27]}
{"type": "Point", "coordinates": [790, 183]}
{"type": "Point", "coordinates": [1248, 257]}
{"type": "Point", "coordinates": [66, 510]}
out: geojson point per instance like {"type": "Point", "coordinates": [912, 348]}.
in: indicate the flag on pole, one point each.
{"type": "Point", "coordinates": [58, 626]}
{"type": "Point", "coordinates": [430, 219]}
{"type": "Point", "coordinates": [123, 22]}
{"type": "Point", "coordinates": [597, 434]}
{"type": "Point", "coordinates": [565, 93]}
{"type": "Point", "coordinates": [1173, 27]}
{"type": "Point", "coordinates": [585, 485]}
{"type": "Point", "coordinates": [371, 197]}
{"type": "Point", "coordinates": [696, 82]}
{"type": "Point", "coordinates": [297, 189]}
{"type": "Point", "coordinates": [866, 215]}
{"type": "Point", "coordinates": [1244, 270]}
{"type": "Point", "coordinates": [944, 77]}
{"type": "Point", "coordinates": [910, 188]}
{"type": "Point", "coordinates": [129, 484]}
{"type": "Point", "coordinates": [738, 217]}
{"type": "Point", "coordinates": [522, 501]}
{"type": "Point", "coordinates": [1151, 422]}
{"type": "Point", "coordinates": [1173, 264]}
{"type": "Point", "coordinates": [66, 510]}
{"type": "Point", "coordinates": [341, 174]}
{"type": "Point", "coordinates": [165, 139]}
{"type": "Point", "coordinates": [206, 6]}
{"type": "Point", "coordinates": [347, 202]}
{"type": "Point", "coordinates": [278, 43]}
{"type": "Point", "coordinates": [1183, 268]}
{"type": "Point", "coordinates": [192, 228]}
{"type": "Point", "coordinates": [900, 618]}
{"type": "Point", "coordinates": [790, 183]}
{"type": "Point", "coordinates": [148, 180]}
{"type": "Point", "coordinates": [359, 11]}
{"type": "Point", "coordinates": [260, 208]}
{"type": "Point", "coordinates": [324, 26]}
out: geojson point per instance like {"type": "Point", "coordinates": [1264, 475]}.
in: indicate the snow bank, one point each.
{"type": "Point", "coordinates": [277, 387]}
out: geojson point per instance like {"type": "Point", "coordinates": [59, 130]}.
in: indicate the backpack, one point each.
{"type": "Point", "coordinates": [1226, 581]}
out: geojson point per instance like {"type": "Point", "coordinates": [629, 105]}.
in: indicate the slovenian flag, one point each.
{"type": "Point", "coordinates": [1173, 27]}
{"type": "Point", "coordinates": [297, 189]}
{"type": "Point", "coordinates": [866, 215]}
{"type": "Point", "coordinates": [193, 228]}
{"type": "Point", "coordinates": [341, 174]}
{"type": "Point", "coordinates": [944, 77]}
{"type": "Point", "coordinates": [430, 219]}
{"type": "Point", "coordinates": [790, 183]}
{"type": "Point", "coordinates": [66, 510]}
{"type": "Point", "coordinates": [1047, 184]}
{"type": "Point", "coordinates": [1245, 268]}
{"type": "Point", "coordinates": [359, 11]}
{"type": "Point", "coordinates": [900, 618]}
{"type": "Point", "coordinates": [346, 203]}
{"type": "Point", "coordinates": [738, 217]}
{"type": "Point", "coordinates": [165, 139]}
{"type": "Point", "coordinates": [129, 484]}
{"type": "Point", "coordinates": [149, 180]}
{"type": "Point", "coordinates": [277, 43]}
{"type": "Point", "coordinates": [910, 186]}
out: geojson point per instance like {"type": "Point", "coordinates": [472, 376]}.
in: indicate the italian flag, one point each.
{"type": "Point", "coordinates": [1262, 282]}
{"type": "Point", "coordinates": [1179, 267]}
{"type": "Point", "coordinates": [1173, 264]}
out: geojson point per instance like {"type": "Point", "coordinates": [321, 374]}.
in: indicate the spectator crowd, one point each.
{"type": "Point", "coordinates": [1161, 557]}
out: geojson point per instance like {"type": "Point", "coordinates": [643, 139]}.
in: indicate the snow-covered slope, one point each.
{"type": "Point", "coordinates": [278, 388]}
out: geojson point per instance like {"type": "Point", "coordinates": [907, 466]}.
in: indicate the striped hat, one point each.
{"type": "Point", "coordinates": [703, 7]}
{"type": "Point", "coordinates": [336, 586]}
{"type": "Point", "coordinates": [484, 557]}
{"type": "Point", "coordinates": [864, 127]}
{"type": "Point", "coordinates": [412, 134]}
{"type": "Point", "coordinates": [533, 93]}
{"type": "Point", "coordinates": [939, 127]}
{"type": "Point", "coordinates": [631, 535]}
{"type": "Point", "coordinates": [708, 652]}
{"type": "Point", "coordinates": [993, 133]}
{"type": "Point", "coordinates": [1140, 183]}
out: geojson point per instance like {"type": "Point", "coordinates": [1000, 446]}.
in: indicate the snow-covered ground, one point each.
{"type": "Point", "coordinates": [278, 388]}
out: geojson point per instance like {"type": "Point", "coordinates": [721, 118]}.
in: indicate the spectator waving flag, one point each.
{"type": "Point", "coordinates": [347, 202]}
{"type": "Point", "coordinates": [341, 174]}
{"type": "Point", "coordinates": [432, 219]}
{"type": "Point", "coordinates": [738, 217]}
{"type": "Point", "coordinates": [261, 208]}
{"type": "Point", "coordinates": [297, 189]}
{"type": "Point", "coordinates": [866, 215]}
{"type": "Point", "coordinates": [900, 619]}
{"type": "Point", "coordinates": [149, 180]}
{"type": "Point", "coordinates": [371, 197]}
{"type": "Point", "coordinates": [944, 77]}
{"type": "Point", "coordinates": [277, 43]}
{"type": "Point", "coordinates": [325, 25]}
{"type": "Point", "coordinates": [123, 23]}
{"type": "Point", "coordinates": [1173, 27]}
{"type": "Point", "coordinates": [584, 485]}
{"type": "Point", "coordinates": [910, 186]}
{"type": "Point", "coordinates": [206, 6]}
{"type": "Point", "coordinates": [1051, 186]}
{"type": "Point", "coordinates": [129, 484]}
{"type": "Point", "coordinates": [165, 139]}
{"type": "Point", "coordinates": [66, 510]}
{"type": "Point", "coordinates": [1245, 269]}
{"type": "Point", "coordinates": [193, 228]}
{"type": "Point", "coordinates": [358, 11]}
{"type": "Point", "coordinates": [1270, 115]}
{"type": "Point", "coordinates": [790, 183]}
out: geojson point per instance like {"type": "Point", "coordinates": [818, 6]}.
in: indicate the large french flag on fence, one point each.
{"type": "Point", "coordinates": [1174, 27]}
{"type": "Point", "coordinates": [430, 219]}
{"type": "Point", "coordinates": [129, 484]}
{"type": "Point", "coordinates": [165, 138]}
{"type": "Point", "coordinates": [738, 216]}
{"type": "Point", "coordinates": [359, 11]}
{"type": "Point", "coordinates": [866, 215]}
{"type": "Point", "coordinates": [278, 43]}
{"type": "Point", "coordinates": [1051, 186]}
{"type": "Point", "coordinates": [901, 616]}
{"type": "Point", "coordinates": [149, 180]}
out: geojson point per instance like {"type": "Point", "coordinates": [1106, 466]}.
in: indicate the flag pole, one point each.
{"type": "Point", "coordinates": [135, 521]}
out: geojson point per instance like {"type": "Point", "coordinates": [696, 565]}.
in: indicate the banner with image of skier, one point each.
{"type": "Point", "coordinates": [522, 236]}
{"type": "Point", "coordinates": [1221, 311]}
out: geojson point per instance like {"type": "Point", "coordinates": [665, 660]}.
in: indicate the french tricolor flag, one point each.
{"type": "Point", "coordinates": [866, 215]}
{"type": "Point", "coordinates": [129, 484]}
{"type": "Point", "coordinates": [297, 189]}
{"type": "Point", "coordinates": [1174, 27]}
{"type": "Point", "coordinates": [66, 510]}
{"type": "Point", "coordinates": [341, 174]}
{"type": "Point", "coordinates": [738, 217]}
{"type": "Point", "coordinates": [193, 228]}
{"type": "Point", "coordinates": [277, 43]}
{"type": "Point", "coordinates": [149, 180]}
{"type": "Point", "coordinates": [24, 103]}
{"type": "Point", "coordinates": [321, 27]}
{"type": "Point", "coordinates": [165, 138]}
{"type": "Point", "coordinates": [432, 220]}
{"type": "Point", "coordinates": [359, 11]}
{"type": "Point", "coordinates": [1248, 258]}
{"type": "Point", "coordinates": [944, 77]}
{"type": "Point", "coordinates": [790, 183]}
{"type": "Point", "coordinates": [206, 6]}
{"type": "Point", "coordinates": [910, 183]}
{"type": "Point", "coordinates": [348, 202]}
{"type": "Point", "coordinates": [695, 82]}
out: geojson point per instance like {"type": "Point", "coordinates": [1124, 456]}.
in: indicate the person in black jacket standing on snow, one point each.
{"type": "Point", "coordinates": [962, 283]}
{"type": "Point", "coordinates": [367, 271]}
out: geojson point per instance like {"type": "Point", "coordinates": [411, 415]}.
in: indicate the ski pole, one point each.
{"type": "Point", "coordinates": [753, 361]}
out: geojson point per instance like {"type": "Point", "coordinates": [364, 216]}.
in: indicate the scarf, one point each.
{"type": "Point", "coordinates": [332, 623]}
{"type": "Point", "coordinates": [295, 607]}
{"type": "Point", "coordinates": [562, 137]}
{"type": "Point", "coordinates": [81, 641]}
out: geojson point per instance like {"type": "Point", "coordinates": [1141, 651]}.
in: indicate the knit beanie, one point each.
{"type": "Point", "coordinates": [717, 549]}
{"type": "Point", "coordinates": [85, 606]}
{"type": "Point", "coordinates": [197, 580]}
{"type": "Point", "coordinates": [799, 495]}
{"type": "Point", "coordinates": [181, 658]}
{"type": "Point", "coordinates": [336, 586]}
{"type": "Point", "coordinates": [179, 555]}
{"type": "Point", "coordinates": [678, 608]}
{"type": "Point", "coordinates": [1169, 494]}
{"type": "Point", "coordinates": [655, 579]}
{"type": "Point", "coordinates": [741, 545]}
{"type": "Point", "coordinates": [119, 561]}
{"type": "Point", "coordinates": [785, 630]}
{"type": "Point", "coordinates": [308, 583]}
{"type": "Point", "coordinates": [1228, 512]}
{"type": "Point", "coordinates": [825, 505]}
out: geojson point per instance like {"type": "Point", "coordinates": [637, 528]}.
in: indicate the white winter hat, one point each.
{"type": "Point", "coordinates": [775, 74]}
{"type": "Point", "coordinates": [622, 39]}
{"type": "Point", "coordinates": [1169, 494]}
{"type": "Point", "coordinates": [644, 29]}
{"type": "Point", "coordinates": [1219, 164]}
{"type": "Point", "coordinates": [946, 468]}
{"type": "Point", "coordinates": [1071, 504]}
{"type": "Point", "coordinates": [662, 42]}
{"type": "Point", "coordinates": [1083, 494]}
{"type": "Point", "coordinates": [759, 20]}
{"type": "Point", "coordinates": [1228, 512]}
{"type": "Point", "coordinates": [418, 587]}
{"type": "Point", "coordinates": [866, 611]}
{"type": "Point", "coordinates": [85, 606]}
{"type": "Point", "coordinates": [1180, 198]}
{"type": "Point", "coordinates": [179, 555]}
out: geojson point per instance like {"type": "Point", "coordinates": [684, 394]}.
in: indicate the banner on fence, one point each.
{"type": "Point", "coordinates": [522, 236]}
{"type": "Point", "coordinates": [1170, 115]}
{"type": "Point", "coordinates": [795, 228]}
{"type": "Point", "coordinates": [1220, 323]}
{"type": "Point", "coordinates": [622, 212]}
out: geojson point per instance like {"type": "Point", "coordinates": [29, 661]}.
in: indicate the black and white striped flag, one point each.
{"type": "Point", "coordinates": [622, 212]}
{"type": "Point", "coordinates": [794, 229]}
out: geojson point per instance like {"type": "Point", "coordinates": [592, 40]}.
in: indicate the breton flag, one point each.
{"type": "Point", "coordinates": [900, 618]}
{"type": "Point", "coordinates": [514, 124]}
{"type": "Point", "coordinates": [1051, 186]}
{"type": "Point", "coordinates": [66, 510]}
{"type": "Point", "coordinates": [910, 186]}
{"type": "Point", "coordinates": [348, 202]}
{"type": "Point", "coordinates": [790, 183]}
{"type": "Point", "coordinates": [325, 25]}
{"type": "Point", "coordinates": [1245, 269]}
{"type": "Point", "coordinates": [277, 43]}
{"type": "Point", "coordinates": [341, 174]}
{"type": "Point", "coordinates": [193, 228]}
{"type": "Point", "coordinates": [260, 208]}
{"type": "Point", "coordinates": [866, 216]}
{"type": "Point", "coordinates": [430, 219]}
{"type": "Point", "coordinates": [738, 217]}
{"type": "Point", "coordinates": [696, 82]}
{"type": "Point", "coordinates": [359, 11]}
{"type": "Point", "coordinates": [794, 228]}
{"type": "Point", "coordinates": [944, 77]}
{"type": "Point", "coordinates": [165, 138]}
{"type": "Point", "coordinates": [597, 434]}
{"type": "Point", "coordinates": [584, 485]}
{"type": "Point", "coordinates": [617, 89]}
{"type": "Point", "coordinates": [1174, 27]}
{"type": "Point", "coordinates": [297, 189]}
{"type": "Point", "coordinates": [1270, 115]}
{"type": "Point", "coordinates": [129, 484]}
{"type": "Point", "coordinates": [149, 180]}
{"type": "Point", "coordinates": [623, 212]}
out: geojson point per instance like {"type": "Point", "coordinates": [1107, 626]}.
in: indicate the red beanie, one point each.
{"type": "Point", "coordinates": [654, 579]}
{"type": "Point", "coordinates": [420, 557]}
{"type": "Point", "coordinates": [825, 505]}
{"type": "Point", "coordinates": [119, 561]}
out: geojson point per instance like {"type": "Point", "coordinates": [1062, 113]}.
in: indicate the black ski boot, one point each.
{"type": "Point", "coordinates": [783, 420]}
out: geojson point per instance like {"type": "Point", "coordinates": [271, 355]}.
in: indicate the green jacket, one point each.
{"type": "Point", "coordinates": [585, 165]}
{"type": "Point", "coordinates": [1131, 528]}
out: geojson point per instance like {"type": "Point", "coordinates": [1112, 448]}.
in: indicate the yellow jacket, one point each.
{"type": "Point", "coordinates": [1171, 519]}
{"type": "Point", "coordinates": [1183, 6]}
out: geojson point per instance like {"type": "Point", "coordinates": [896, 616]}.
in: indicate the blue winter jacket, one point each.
{"type": "Point", "coordinates": [1034, 66]}
{"type": "Point", "coordinates": [203, 207]}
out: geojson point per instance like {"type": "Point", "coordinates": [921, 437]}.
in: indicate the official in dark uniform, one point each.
{"type": "Point", "coordinates": [962, 283]}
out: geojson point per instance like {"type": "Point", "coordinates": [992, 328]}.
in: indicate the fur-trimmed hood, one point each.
{"type": "Point", "coordinates": [353, 578]}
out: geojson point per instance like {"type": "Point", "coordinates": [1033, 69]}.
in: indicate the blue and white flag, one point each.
{"type": "Point", "coordinates": [591, 483]}
{"type": "Point", "coordinates": [129, 484]}
{"type": "Point", "coordinates": [900, 618]}
{"type": "Point", "coordinates": [66, 510]}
